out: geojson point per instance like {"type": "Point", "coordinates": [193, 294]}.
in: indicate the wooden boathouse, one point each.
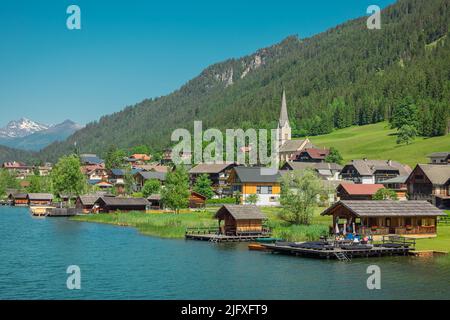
{"type": "Point", "coordinates": [110, 204]}
{"type": "Point", "coordinates": [18, 199]}
{"type": "Point", "coordinates": [40, 199]}
{"type": "Point", "coordinates": [235, 223]}
{"type": "Point", "coordinates": [384, 217]}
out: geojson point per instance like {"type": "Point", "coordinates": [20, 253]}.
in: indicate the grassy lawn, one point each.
{"type": "Point", "coordinates": [440, 243]}
{"type": "Point", "coordinates": [377, 141]}
{"type": "Point", "coordinates": [169, 225]}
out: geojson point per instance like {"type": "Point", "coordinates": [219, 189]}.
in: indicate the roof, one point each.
{"type": "Point", "coordinates": [439, 155]}
{"type": "Point", "coordinates": [399, 179]}
{"type": "Point", "coordinates": [388, 208]}
{"type": "Point", "coordinates": [141, 156]}
{"type": "Point", "coordinates": [40, 196]}
{"type": "Point", "coordinates": [241, 212]}
{"type": "Point", "coordinates": [154, 197]}
{"type": "Point", "coordinates": [91, 159]}
{"type": "Point", "coordinates": [361, 189]}
{"type": "Point", "coordinates": [119, 201]}
{"type": "Point", "coordinates": [294, 145]}
{"type": "Point", "coordinates": [152, 167]}
{"type": "Point", "coordinates": [294, 165]}
{"type": "Point", "coordinates": [118, 172]}
{"type": "Point", "coordinates": [88, 200]}
{"type": "Point", "coordinates": [436, 173]}
{"type": "Point", "coordinates": [147, 175]}
{"type": "Point", "coordinates": [369, 167]}
{"type": "Point", "coordinates": [210, 168]}
{"type": "Point", "coordinates": [253, 174]}
{"type": "Point", "coordinates": [20, 196]}
{"type": "Point", "coordinates": [316, 153]}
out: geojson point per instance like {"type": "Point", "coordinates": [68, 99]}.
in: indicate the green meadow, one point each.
{"type": "Point", "coordinates": [170, 225]}
{"type": "Point", "coordinates": [378, 141]}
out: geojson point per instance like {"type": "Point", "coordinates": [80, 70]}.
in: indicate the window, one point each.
{"type": "Point", "coordinates": [264, 189]}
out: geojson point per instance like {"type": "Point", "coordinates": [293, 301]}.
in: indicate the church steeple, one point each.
{"type": "Point", "coordinates": [284, 128]}
{"type": "Point", "coordinates": [283, 113]}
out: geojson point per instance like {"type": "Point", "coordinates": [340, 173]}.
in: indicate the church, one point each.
{"type": "Point", "coordinates": [289, 148]}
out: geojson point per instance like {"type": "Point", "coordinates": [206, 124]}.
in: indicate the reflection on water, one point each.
{"type": "Point", "coordinates": [118, 263]}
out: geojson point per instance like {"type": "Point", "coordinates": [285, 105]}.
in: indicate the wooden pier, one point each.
{"type": "Point", "coordinates": [390, 246]}
{"type": "Point", "coordinates": [213, 235]}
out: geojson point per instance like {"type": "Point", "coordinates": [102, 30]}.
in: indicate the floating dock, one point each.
{"type": "Point", "coordinates": [339, 252]}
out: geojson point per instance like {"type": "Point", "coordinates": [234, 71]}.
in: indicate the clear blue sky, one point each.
{"type": "Point", "coordinates": [130, 50]}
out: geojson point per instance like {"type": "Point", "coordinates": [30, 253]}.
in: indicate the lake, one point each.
{"type": "Point", "coordinates": [119, 263]}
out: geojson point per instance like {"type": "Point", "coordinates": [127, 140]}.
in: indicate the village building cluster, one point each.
{"type": "Point", "coordinates": [351, 187]}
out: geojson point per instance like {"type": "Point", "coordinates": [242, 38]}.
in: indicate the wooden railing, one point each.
{"type": "Point", "coordinates": [202, 230]}
{"type": "Point", "coordinates": [444, 220]}
{"type": "Point", "coordinates": [399, 240]}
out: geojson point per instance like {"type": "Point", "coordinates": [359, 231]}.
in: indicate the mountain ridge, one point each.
{"type": "Point", "coordinates": [347, 75]}
{"type": "Point", "coordinates": [36, 140]}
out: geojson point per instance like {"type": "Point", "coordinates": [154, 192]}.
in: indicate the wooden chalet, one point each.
{"type": "Point", "coordinates": [348, 191]}
{"type": "Point", "coordinates": [110, 204]}
{"type": "Point", "coordinates": [40, 199]}
{"type": "Point", "coordinates": [18, 199]}
{"type": "Point", "coordinates": [384, 217]}
{"type": "Point", "coordinates": [85, 204]}
{"type": "Point", "coordinates": [197, 200]}
{"type": "Point", "coordinates": [373, 171]}
{"type": "Point", "coordinates": [430, 182]}
{"type": "Point", "coordinates": [240, 220]}
{"type": "Point", "coordinates": [255, 180]}
{"type": "Point", "coordinates": [217, 173]}
{"type": "Point", "coordinates": [142, 176]}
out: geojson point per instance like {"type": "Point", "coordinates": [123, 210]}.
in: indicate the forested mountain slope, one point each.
{"type": "Point", "coordinates": [348, 75]}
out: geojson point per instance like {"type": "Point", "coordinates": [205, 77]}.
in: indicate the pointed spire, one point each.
{"type": "Point", "coordinates": [283, 114]}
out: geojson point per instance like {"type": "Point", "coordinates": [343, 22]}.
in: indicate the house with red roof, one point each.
{"type": "Point", "coordinates": [312, 155]}
{"type": "Point", "coordinates": [346, 191]}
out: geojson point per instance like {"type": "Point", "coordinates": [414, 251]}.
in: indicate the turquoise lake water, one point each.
{"type": "Point", "coordinates": [119, 263]}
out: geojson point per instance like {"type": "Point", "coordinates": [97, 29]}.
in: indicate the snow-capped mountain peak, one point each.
{"type": "Point", "coordinates": [22, 128]}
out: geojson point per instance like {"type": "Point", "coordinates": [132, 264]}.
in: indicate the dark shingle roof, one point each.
{"type": "Point", "coordinates": [20, 196]}
{"type": "Point", "coordinates": [436, 173]}
{"type": "Point", "coordinates": [118, 201]}
{"type": "Point", "coordinates": [147, 175]}
{"type": "Point", "coordinates": [439, 154]}
{"type": "Point", "coordinates": [209, 168]}
{"type": "Point", "coordinates": [241, 212]}
{"type": "Point", "coordinates": [313, 165]}
{"type": "Point", "coordinates": [294, 145]}
{"type": "Point", "coordinates": [40, 196]}
{"type": "Point", "coordinates": [154, 197]}
{"type": "Point", "coordinates": [254, 174]}
{"type": "Point", "coordinates": [88, 200]}
{"type": "Point", "coordinates": [368, 167]}
{"type": "Point", "coordinates": [388, 208]}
